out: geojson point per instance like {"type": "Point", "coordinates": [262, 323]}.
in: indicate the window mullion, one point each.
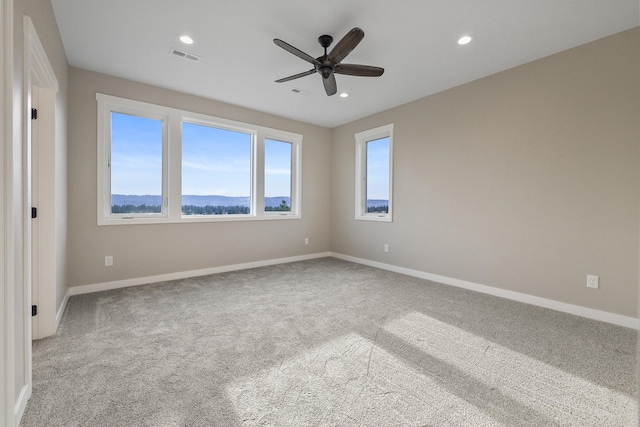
{"type": "Point", "coordinates": [258, 174]}
{"type": "Point", "coordinates": [104, 160]}
{"type": "Point", "coordinates": [296, 178]}
{"type": "Point", "coordinates": [173, 170]}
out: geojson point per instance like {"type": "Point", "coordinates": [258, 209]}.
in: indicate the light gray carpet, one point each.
{"type": "Point", "coordinates": [326, 343]}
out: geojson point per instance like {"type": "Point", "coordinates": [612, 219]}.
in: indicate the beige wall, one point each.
{"type": "Point", "coordinates": [526, 180]}
{"type": "Point", "coordinates": [154, 249]}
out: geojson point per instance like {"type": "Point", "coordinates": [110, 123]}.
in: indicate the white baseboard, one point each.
{"type": "Point", "coordinates": [62, 308]}
{"type": "Point", "coordinates": [21, 403]}
{"type": "Point", "coordinates": [97, 287]}
{"type": "Point", "coordinates": [590, 313]}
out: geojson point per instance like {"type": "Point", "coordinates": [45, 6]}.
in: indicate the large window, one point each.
{"type": "Point", "coordinates": [374, 174]}
{"type": "Point", "coordinates": [158, 164]}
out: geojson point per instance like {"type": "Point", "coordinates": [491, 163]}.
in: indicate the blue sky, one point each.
{"type": "Point", "coordinates": [277, 168]}
{"type": "Point", "coordinates": [378, 169]}
{"type": "Point", "coordinates": [214, 161]}
{"type": "Point", "coordinates": [136, 155]}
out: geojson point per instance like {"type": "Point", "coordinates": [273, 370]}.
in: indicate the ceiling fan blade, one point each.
{"type": "Point", "coordinates": [296, 76]}
{"type": "Point", "coordinates": [358, 70]}
{"type": "Point", "coordinates": [297, 52]}
{"type": "Point", "coordinates": [330, 85]}
{"type": "Point", "coordinates": [346, 45]}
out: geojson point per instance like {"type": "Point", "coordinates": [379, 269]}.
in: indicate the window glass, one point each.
{"type": "Point", "coordinates": [136, 164]}
{"type": "Point", "coordinates": [374, 174]}
{"type": "Point", "coordinates": [277, 176]}
{"type": "Point", "coordinates": [216, 171]}
{"type": "Point", "coordinates": [158, 164]}
{"type": "Point", "coordinates": [377, 179]}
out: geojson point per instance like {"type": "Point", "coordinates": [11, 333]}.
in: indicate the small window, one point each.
{"type": "Point", "coordinates": [216, 171]}
{"type": "Point", "coordinates": [277, 176]}
{"type": "Point", "coordinates": [374, 174]}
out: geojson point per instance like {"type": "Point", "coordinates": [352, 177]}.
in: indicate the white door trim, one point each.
{"type": "Point", "coordinates": [33, 225]}
{"type": "Point", "coordinates": [43, 228]}
{"type": "Point", "coordinates": [36, 71]}
{"type": "Point", "coordinates": [41, 86]}
{"type": "Point", "coordinates": [7, 329]}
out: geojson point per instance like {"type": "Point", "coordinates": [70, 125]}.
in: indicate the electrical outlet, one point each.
{"type": "Point", "coordinates": [592, 281]}
{"type": "Point", "coordinates": [108, 261]}
{"type": "Point", "coordinates": [386, 247]}
{"type": "Point", "coordinates": [306, 240]}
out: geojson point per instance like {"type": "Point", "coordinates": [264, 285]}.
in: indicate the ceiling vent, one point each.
{"type": "Point", "coordinates": [299, 91]}
{"type": "Point", "coordinates": [185, 55]}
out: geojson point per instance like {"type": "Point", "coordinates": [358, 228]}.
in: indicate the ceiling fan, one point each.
{"type": "Point", "coordinates": [329, 64]}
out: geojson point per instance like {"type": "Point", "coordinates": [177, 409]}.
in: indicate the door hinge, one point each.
{"type": "Point", "coordinates": [34, 114]}
{"type": "Point", "coordinates": [34, 213]}
{"type": "Point", "coordinates": [34, 310]}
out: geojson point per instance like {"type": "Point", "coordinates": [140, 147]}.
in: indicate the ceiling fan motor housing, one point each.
{"type": "Point", "coordinates": [326, 68]}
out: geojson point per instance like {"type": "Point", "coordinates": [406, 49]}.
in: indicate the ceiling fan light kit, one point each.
{"type": "Point", "coordinates": [329, 64]}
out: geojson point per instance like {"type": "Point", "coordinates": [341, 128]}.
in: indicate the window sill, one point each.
{"type": "Point", "coordinates": [374, 217]}
{"type": "Point", "coordinates": [195, 219]}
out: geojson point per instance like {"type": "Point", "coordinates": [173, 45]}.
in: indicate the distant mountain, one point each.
{"type": "Point", "coordinates": [215, 201]}
{"type": "Point", "coordinates": [374, 203]}
{"type": "Point", "coordinates": [151, 200]}
{"type": "Point", "coordinates": [275, 201]}
{"type": "Point", "coordinates": [122, 199]}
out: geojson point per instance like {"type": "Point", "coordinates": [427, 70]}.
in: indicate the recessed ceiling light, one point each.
{"type": "Point", "coordinates": [344, 95]}
{"type": "Point", "coordinates": [464, 39]}
{"type": "Point", "coordinates": [185, 39]}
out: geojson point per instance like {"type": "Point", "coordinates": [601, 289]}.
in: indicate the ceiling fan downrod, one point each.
{"type": "Point", "coordinates": [325, 68]}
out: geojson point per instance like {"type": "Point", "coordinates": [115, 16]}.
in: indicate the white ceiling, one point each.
{"type": "Point", "coordinates": [414, 40]}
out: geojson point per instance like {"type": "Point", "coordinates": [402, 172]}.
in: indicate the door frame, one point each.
{"type": "Point", "coordinates": [15, 210]}
{"type": "Point", "coordinates": [40, 88]}
{"type": "Point", "coordinates": [7, 273]}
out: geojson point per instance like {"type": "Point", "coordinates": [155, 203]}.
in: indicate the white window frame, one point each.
{"type": "Point", "coordinates": [203, 120]}
{"type": "Point", "coordinates": [362, 138]}
{"type": "Point", "coordinates": [172, 164]}
{"type": "Point", "coordinates": [105, 108]}
{"type": "Point", "coordinates": [296, 153]}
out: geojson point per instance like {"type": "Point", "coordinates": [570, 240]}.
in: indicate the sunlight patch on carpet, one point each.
{"type": "Point", "coordinates": [348, 381]}
{"type": "Point", "coordinates": [564, 398]}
